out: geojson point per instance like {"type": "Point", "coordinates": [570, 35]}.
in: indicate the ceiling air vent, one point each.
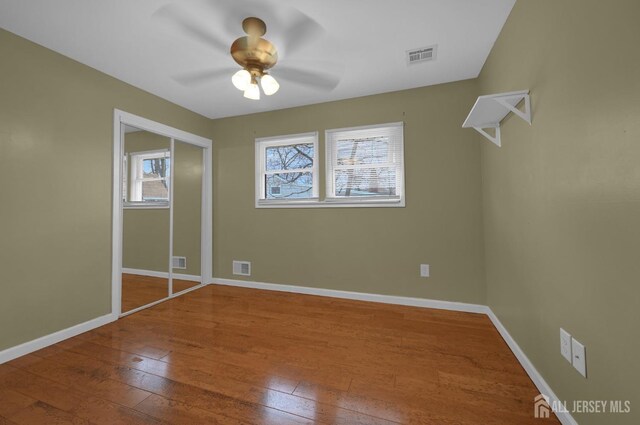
{"type": "Point", "coordinates": [242, 268]}
{"type": "Point", "coordinates": [422, 54]}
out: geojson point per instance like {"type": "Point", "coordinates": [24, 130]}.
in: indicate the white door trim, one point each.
{"type": "Point", "coordinates": [206, 249]}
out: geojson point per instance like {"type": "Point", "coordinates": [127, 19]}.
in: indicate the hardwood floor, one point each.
{"type": "Point", "coordinates": [140, 290]}
{"type": "Point", "coordinates": [225, 355]}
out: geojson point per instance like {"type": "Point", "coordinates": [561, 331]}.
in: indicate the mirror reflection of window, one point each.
{"type": "Point", "coordinates": [146, 190]}
{"type": "Point", "coordinates": [150, 176]}
{"type": "Point", "coordinates": [146, 166]}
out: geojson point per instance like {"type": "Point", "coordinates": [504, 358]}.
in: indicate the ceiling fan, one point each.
{"type": "Point", "coordinates": [216, 23]}
{"type": "Point", "coordinates": [255, 55]}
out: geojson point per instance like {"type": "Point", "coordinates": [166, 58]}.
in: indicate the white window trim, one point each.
{"type": "Point", "coordinates": [315, 201]}
{"type": "Point", "coordinates": [261, 144]}
{"type": "Point", "coordinates": [362, 201]}
{"type": "Point", "coordinates": [135, 183]}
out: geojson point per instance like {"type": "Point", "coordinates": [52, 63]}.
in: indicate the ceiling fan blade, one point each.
{"type": "Point", "coordinates": [316, 79]}
{"type": "Point", "coordinates": [235, 12]}
{"type": "Point", "coordinates": [200, 78]}
{"type": "Point", "coordinates": [190, 26]}
{"type": "Point", "coordinates": [301, 32]}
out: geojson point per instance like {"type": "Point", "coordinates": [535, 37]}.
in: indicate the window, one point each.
{"type": "Point", "coordinates": [149, 177]}
{"type": "Point", "coordinates": [365, 164]}
{"type": "Point", "coordinates": [286, 169]}
{"type": "Point", "coordinates": [364, 168]}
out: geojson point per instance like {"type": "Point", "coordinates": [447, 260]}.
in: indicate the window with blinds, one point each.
{"type": "Point", "coordinates": [365, 164]}
{"type": "Point", "coordinates": [286, 169]}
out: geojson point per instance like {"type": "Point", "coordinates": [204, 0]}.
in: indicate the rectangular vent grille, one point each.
{"type": "Point", "coordinates": [423, 54]}
{"type": "Point", "coordinates": [179, 262]}
{"type": "Point", "coordinates": [242, 268]}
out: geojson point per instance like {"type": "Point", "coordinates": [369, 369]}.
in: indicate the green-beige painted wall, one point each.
{"type": "Point", "coordinates": [56, 144]}
{"type": "Point", "coordinates": [562, 197]}
{"type": "Point", "coordinates": [375, 250]}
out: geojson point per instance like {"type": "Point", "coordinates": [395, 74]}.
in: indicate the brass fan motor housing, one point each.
{"type": "Point", "coordinates": [252, 52]}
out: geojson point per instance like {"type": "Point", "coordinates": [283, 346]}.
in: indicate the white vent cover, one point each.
{"type": "Point", "coordinates": [422, 54]}
{"type": "Point", "coordinates": [242, 268]}
{"type": "Point", "coordinates": [179, 262]}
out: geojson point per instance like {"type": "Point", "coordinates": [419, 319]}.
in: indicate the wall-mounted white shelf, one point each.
{"type": "Point", "coordinates": [490, 110]}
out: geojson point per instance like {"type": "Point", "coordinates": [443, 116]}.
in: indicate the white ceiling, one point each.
{"type": "Point", "coordinates": [363, 41]}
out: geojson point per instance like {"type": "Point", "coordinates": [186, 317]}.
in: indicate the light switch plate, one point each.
{"type": "Point", "coordinates": [565, 345]}
{"type": "Point", "coordinates": [579, 354]}
{"type": "Point", "coordinates": [424, 270]}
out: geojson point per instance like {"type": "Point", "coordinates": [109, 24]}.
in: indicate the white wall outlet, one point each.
{"type": "Point", "coordinates": [579, 357]}
{"type": "Point", "coordinates": [565, 345]}
{"type": "Point", "coordinates": [424, 270]}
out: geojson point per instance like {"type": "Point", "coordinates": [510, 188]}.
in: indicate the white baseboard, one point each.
{"type": "Point", "coordinates": [47, 340]}
{"type": "Point", "coordinates": [544, 388]}
{"type": "Point", "coordinates": [164, 275]}
{"type": "Point", "coordinates": [360, 296]}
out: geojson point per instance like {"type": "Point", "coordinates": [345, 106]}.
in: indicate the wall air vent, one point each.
{"type": "Point", "coordinates": [242, 268]}
{"type": "Point", "coordinates": [179, 262]}
{"type": "Point", "coordinates": [422, 54]}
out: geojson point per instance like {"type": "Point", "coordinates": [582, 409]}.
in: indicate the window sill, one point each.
{"type": "Point", "coordinates": [333, 203]}
{"type": "Point", "coordinates": [145, 206]}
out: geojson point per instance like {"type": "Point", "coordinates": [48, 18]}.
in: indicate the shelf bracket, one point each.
{"type": "Point", "coordinates": [494, 139]}
{"type": "Point", "coordinates": [490, 110]}
{"type": "Point", "coordinates": [526, 114]}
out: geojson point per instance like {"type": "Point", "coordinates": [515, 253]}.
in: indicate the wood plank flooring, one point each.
{"type": "Point", "coordinates": [140, 290]}
{"type": "Point", "coordinates": [224, 355]}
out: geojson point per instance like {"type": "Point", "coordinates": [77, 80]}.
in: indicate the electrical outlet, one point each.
{"type": "Point", "coordinates": [579, 357]}
{"type": "Point", "coordinates": [424, 270]}
{"type": "Point", "coordinates": [565, 345]}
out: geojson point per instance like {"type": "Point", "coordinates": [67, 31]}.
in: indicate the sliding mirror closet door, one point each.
{"type": "Point", "coordinates": [146, 188]}
{"type": "Point", "coordinates": [187, 216]}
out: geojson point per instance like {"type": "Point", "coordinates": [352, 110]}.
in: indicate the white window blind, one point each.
{"type": "Point", "coordinates": [365, 164]}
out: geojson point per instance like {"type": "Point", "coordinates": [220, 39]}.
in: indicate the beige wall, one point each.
{"type": "Point", "coordinates": [187, 205]}
{"type": "Point", "coordinates": [56, 144]}
{"type": "Point", "coordinates": [145, 233]}
{"type": "Point", "coordinates": [562, 197]}
{"type": "Point", "coordinates": [376, 250]}
{"type": "Point", "coordinates": [145, 239]}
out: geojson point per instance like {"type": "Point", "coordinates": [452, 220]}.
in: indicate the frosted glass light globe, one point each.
{"type": "Point", "coordinates": [269, 84]}
{"type": "Point", "coordinates": [252, 92]}
{"type": "Point", "coordinates": [241, 79]}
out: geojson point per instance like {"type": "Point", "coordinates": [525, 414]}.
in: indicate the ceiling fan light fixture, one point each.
{"type": "Point", "coordinates": [269, 84]}
{"type": "Point", "coordinates": [255, 55]}
{"type": "Point", "coordinates": [241, 79]}
{"type": "Point", "coordinates": [252, 92]}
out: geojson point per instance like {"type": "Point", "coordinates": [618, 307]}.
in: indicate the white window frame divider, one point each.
{"type": "Point", "coordinates": [261, 144]}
